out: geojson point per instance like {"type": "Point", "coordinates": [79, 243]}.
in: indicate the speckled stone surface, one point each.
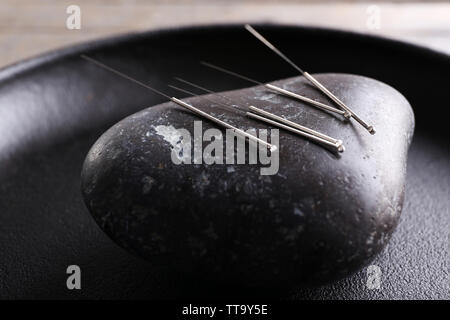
{"type": "Point", "coordinates": [320, 218]}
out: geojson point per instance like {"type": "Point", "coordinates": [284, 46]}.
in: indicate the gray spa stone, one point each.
{"type": "Point", "coordinates": [321, 217]}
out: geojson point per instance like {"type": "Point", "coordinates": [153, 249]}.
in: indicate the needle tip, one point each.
{"type": "Point", "coordinates": [371, 130]}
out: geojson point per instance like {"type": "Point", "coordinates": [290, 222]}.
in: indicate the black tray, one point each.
{"type": "Point", "coordinates": [53, 107]}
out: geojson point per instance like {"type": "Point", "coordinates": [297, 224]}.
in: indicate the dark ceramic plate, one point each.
{"type": "Point", "coordinates": [52, 108]}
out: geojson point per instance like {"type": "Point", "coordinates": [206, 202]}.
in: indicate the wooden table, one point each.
{"type": "Point", "coordinates": [29, 27]}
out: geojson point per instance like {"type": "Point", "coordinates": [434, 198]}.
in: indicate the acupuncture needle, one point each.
{"type": "Point", "coordinates": [275, 88]}
{"type": "Point", "coordinates": [262, 112]}
{"type": "Point", "coordinates": [183, 104]}
{"type": "Point", "coordinates": [278, 121]}
{"type": "Point", "coordinates": [211, 101]}
{"type": "Point", "coordinates": [339, 147]}
{"type": "Point", "coordinates": [314, 81]}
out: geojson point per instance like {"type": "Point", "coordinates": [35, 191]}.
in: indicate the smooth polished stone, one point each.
{"type": "Point", "coordinates": [321, 217]}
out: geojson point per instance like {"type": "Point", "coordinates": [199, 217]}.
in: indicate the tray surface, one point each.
{"type": "Point", "coordinates": [53, 107]}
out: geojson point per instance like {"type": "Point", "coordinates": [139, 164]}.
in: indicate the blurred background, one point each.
{"type": "Point", "coordinates": [30, 27]}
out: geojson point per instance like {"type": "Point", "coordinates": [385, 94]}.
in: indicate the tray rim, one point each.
{"type": "Point", "coordinates": [41, 60]}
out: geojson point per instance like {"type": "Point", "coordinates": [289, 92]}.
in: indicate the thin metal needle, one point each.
{"type": "Point", "coordinates": [123, 75]}
{"type": "Point", "coordinates": [276, 89]}
{"type": "Point", "coordinates": [224, 124]}
{"type": "Point", "coordinates": [305, 99]}
{"type": "Point", "coordinates": [296, 125]}
{"type": "Point", "coordinates": [272, 47]}
{"type": "Point", "coordinates": [214, 102]}
{"type": "Point", "coordinates": [208, 91]}
{"type": "Point", "coordinates": [184, 105]}
{"type": "Point", "coordinates": [338, 147]}
{"type": "Point", "coordinates": [337, 143]}
{"type": "Point", "coordinates": [314, 81]}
